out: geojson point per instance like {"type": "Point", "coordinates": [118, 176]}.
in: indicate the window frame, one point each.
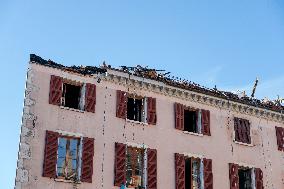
{"type": "Point", "coordinates": [145, 161]}
{"type": "Point", "coordinates": [81, 103]}
{"type": "Point", "coordinates": [199, 121]}
{"type": "Point", "coordinates": [68, 135]}
{"type": "Point", "coordinates": [252, 174]}
{"type": "Point", "coordinates": [144, 112]}
{"type": "Point", "coordinates": [201, 168]}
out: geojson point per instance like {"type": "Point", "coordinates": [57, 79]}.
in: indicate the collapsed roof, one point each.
{"type": "Point", "coordinates": [165, 78]}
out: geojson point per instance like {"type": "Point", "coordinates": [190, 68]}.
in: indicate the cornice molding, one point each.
{"type": "Point", "coordinates": [161, 88]}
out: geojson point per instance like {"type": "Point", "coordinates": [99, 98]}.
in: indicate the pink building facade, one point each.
{"type": "Point", "coordinates": [87, 127]}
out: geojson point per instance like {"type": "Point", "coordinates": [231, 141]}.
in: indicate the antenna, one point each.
{"type": "Point", "coordinates": [254, 88]}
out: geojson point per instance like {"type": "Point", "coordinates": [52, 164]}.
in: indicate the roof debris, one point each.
{"type": "Point", "coordinates": [189, 85]}
{"type": "Point", "coordinates": [162, 76]}
{"type": "Point", "coordinates": [84, 70]}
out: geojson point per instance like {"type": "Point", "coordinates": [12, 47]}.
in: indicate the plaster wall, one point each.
{"type": "Point", "coordinates": [107, 129]}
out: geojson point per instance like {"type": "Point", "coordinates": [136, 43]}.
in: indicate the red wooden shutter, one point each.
{"type": "Point", "coordinates": [258, 178]}
{"type": "Point", "coordinates": [120, 164]}
{"type": "Point", "coordinates": [121, 104]}
{"type": "Point", "coordinates": [180, 171]}
{"type": "Point", "coordinates": [152, 168]}
{"type": "Point", "coordinates": [242, 130]}
{"type": "Point", "coordinates": [205, 120]}
{"type": "Point", "coordinates": [247, 132]}
{"type": "Point", "coordinates": [280, 138]}
{"type": "Point", "coordinates": [90, 98]}
{"type": "Point", "coordinates": [87, 159]}
{"type": "Point", "coordinates": [50, 154]}
{"type": "Point", "coordinates": [237, 128]}
{"type": "Point", "coordinates": [179, 116]}
{"type": "Point", "coordinates": [151, 111]}
{"type": "Point", "coordinates": [55, 90]}
{"type": "Point", "coordinates": [208, 174]}
{"type": "Point", "coordinates": [234, 176]}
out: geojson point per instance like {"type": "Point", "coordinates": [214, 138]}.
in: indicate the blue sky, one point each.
{"type": "Point", "coordinates": [224, 42]}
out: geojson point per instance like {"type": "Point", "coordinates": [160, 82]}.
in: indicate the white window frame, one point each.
{"type": "Point", "coordinates": [199, 122]}
{"type": "Point", "coordinates": [145, 115]}
{"type": "Point", "coordinates": [253, 178]}
{"type": "Point", "coordinates": [82, 97]}
{"type": "Point", "coordinates": [202, 173]}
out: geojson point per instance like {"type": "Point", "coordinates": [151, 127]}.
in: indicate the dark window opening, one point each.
{"type": "Point", "coordinates": [135, 109]}
{"type": "Point", "coordinates": [71, 96]}
{"type": "Point", "coordinates": [192, 173]}
{"type": "Point", "coordinates": [188, 173]}
{"type": "Point", "coordinates": [190, 121]}
{"type": "Point", "coordinates": [134, 167]}
{"type": "Point", "coordinates": [245, 181]}
{"type": "Point", "coordinates": [67, 160]}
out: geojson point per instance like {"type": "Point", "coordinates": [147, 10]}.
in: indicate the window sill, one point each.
{"type": "Point", "coordinates": [137, 122]}
{"type": "Point", "coordinates": [72, 109]}
{"type": "Point", "coordinates": [245, 144]}
{"type": "Point", "coordinates": [191, 133]}
{"type": "Point", "coordinates": [66, 181]}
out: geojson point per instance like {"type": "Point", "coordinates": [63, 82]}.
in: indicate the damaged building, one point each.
{"type": "Point", "coordinates": [135, 127]}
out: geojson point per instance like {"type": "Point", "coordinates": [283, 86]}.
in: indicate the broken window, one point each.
{"type": "Point", "coordinates": [135, 167]}
{"type": "Point", "coordinates": [191, 120]}
{"type": "Point", "coordinates": [245, 178]}
{"type": "Point", "coordinates": [71, 96]}
{"type": "Point", "coordinates": [136, 109]}
{"type": "Point", "coordinates": [68, 158]}
{"type": "Point", "coordinates": [242, 130]}
{"type": "Point", "coordinates": [193, 173]}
